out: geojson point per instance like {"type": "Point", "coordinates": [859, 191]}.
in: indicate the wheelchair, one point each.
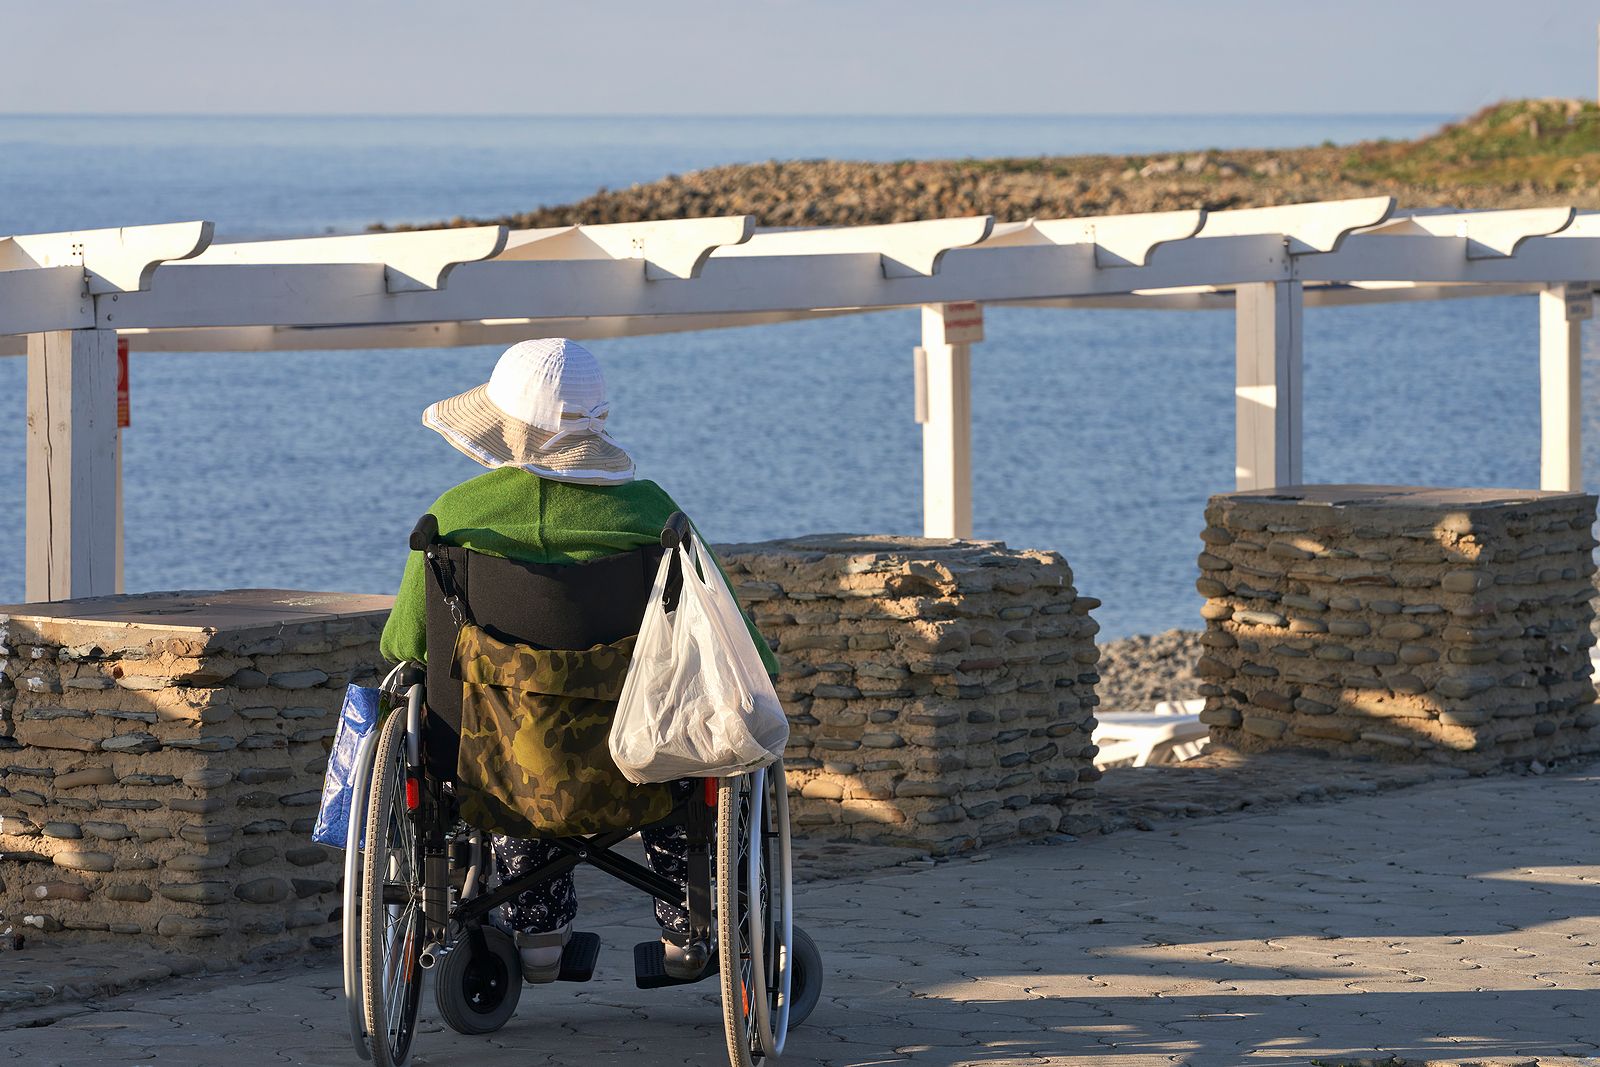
{"type": "Point", "coordinates": [418, 889]}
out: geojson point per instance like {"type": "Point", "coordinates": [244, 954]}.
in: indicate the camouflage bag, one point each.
{"type": "Point", "coordinates": [535, 759]}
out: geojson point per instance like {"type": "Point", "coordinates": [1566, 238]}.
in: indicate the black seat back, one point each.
{"type": "Point", "coordinates": [546, 605]}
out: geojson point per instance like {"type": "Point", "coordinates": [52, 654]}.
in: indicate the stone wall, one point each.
{"type": "Point", "coordinates": [1403, 623]}
{"type": "Point", "coordinates": [161, 755]}
{"type": "Point", "coordinates": [161, 764]}
{"type": "Point", "coordinates": [941, 694]}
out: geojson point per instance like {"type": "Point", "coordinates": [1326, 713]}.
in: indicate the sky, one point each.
{"type": "Point", "coordinates": [778, 57]}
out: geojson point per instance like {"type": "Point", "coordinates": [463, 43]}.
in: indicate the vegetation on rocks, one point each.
{"type": "Point", "coordinates": [1534, 146]}
{"type": "Point", "coordinates": [1516, 154]}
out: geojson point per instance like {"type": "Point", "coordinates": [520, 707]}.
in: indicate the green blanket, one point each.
{"type": "Point", "coordinates": [514, 513]}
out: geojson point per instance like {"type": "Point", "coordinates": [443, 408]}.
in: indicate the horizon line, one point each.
{"type": "Point", "coordinates": [719, 115]}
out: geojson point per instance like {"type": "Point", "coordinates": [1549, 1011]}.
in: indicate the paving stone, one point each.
{"type": "Point", "coordinates": [1452, 923]}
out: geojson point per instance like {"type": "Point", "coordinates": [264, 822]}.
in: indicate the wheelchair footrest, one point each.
{"type": "Point", "coordinates": [650, 971]}
{"type": "Point", "coordinates": [578, 958]}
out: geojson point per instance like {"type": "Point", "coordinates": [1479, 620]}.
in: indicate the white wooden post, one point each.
{"type": "Point", "coordinates": [122, 370]}
{"type": "Point", "coordinates": [72, 464]}
{"type": "Point", "coordinates": [117, 521]}
{"type": "Point", "coordinates": [945, 411]}
{"type": "Point", "coordinates": [1562, 310]}
{"type": "Point", "coordinates": [1268, 405]}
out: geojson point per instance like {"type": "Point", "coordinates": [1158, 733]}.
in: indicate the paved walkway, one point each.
{"type": "Point", "coordinates": [1454, 922]}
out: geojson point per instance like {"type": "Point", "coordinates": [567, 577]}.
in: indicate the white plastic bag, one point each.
{"type": "Point", "coordinates": [697, 702]}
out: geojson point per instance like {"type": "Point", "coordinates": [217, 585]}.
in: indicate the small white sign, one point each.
{"type": "Point", "coordinates": [1580, 303]}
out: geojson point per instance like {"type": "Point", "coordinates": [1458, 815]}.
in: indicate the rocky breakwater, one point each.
{"type": "Point", "coordinates": [161, 762]}
{"type": "Point", "coordinates": [1518, 153]}
{"type": "Point", "coordinates": [1426, 624]}
{"type": "Point", "coordinates": [940, 693]}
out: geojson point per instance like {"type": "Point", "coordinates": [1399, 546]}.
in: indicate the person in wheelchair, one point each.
{"type": "Point", "coordinates": [560, 491]}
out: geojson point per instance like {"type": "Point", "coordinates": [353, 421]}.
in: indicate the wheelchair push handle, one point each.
{"type": "Point", "coordinates": [677, 531]}
{"type": "Point", "coordinates": [425, 533]}
{"type": "Point", "coordinates": [424, 536]}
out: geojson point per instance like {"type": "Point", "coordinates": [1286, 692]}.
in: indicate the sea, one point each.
{"type": "Point", "coordinates": [1098, 434]}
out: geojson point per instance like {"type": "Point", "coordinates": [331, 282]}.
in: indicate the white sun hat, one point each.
{"type": "Point", "coordinates": [543, 409]}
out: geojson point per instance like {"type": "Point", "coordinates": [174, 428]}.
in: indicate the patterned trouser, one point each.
{"type": "Point", "coordinates": [554, 903]}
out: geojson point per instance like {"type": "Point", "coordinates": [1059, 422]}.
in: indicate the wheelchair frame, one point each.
{"type": "Point", "coordinates": [409, 857]}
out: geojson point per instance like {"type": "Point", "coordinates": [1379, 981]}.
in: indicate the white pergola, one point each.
{"type": "Point", "coordinates": [171, 288]}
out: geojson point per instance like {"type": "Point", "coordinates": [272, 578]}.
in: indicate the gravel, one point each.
{"type": "Point", "coordinates": [1136, 673]}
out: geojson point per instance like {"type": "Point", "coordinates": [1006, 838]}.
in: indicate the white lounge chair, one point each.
{"type": "Point", "coordinates": [1171, 733]}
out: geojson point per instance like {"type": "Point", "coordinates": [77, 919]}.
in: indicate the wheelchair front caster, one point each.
{"type": "Point", "coordinates": [805, 984]}
{"type": "Point", "coordinates": [477, 989]}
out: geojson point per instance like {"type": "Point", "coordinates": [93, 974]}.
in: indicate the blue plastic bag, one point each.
{"type": "Point", "coordinates": [357, 719]}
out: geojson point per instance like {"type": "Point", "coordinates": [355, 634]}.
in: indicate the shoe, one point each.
{"type": "Point", "coordinates": [541, 954]}
{"type": "Point", "coordinates": [676, 962]}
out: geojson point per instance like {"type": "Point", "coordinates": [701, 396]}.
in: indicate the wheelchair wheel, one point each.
{"type": "Point", "coordinates": [391, 905]}
{"type": "Point", "coordinates": [477, 991]}
{"type": "Point", "coordinates": [754, 913]}
{"type": "Point", "coordinates": [350, 910]}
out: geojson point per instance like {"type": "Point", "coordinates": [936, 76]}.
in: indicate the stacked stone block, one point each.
{"type": "Point", "coordinates": [941, 694]}
{"type": "Point", "coordinates": [1403, 623]}
{"type": "Point", "coordinates": [161, 762]}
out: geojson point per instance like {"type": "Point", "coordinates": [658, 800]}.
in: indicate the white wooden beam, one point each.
{"type": "Point", "coordinates": [413, 261]}
{"type": "Point", "coordinates": [188, 295]}
{"type": "Point", "coordinates": [1392, 254]}
{"type": "Point", "coordinates": [1487, 234]}
{"type": "Point", "coordinates": [1583, 224]}
{"type": "Point", "coordinates": [550, 242]}
{"type": "Point", "coordinates": [37, 299]}
{"type": "Point", "coordinates": [434, 334]}
{"type": "Point", "coordinates": [1327, 295]}
{"type": "Point", "coordinates": [906, 249]}
{"type": "Point", "coordinates": [1124, 240]}
{"type": "Point", "coordinates": [948, 333]}
{"type": "Point", "coordinates": [674, 248]}
{"type": "Point", "coordinates": [72, 490]}
{"type": "Point", "coordinates": [121, 259]}
{"type": "Point", "coordinates": [1561, 314]}
{"type": "Point", "coordinates": [1319, 227]}
{"type": "Point", "coordinates": [509, 330]}
{"type": "Point", "coordinates": [1267, 390]}
{"type": "Point", "coordinates": [347, 294]}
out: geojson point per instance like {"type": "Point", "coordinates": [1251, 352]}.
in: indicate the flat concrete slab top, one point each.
{"type": "Point", "coordinates": [847, 544]}
{"type": "Point", "coordinates": [204, 610]}
{"type": "Point", "coordinates": [1399, 496]}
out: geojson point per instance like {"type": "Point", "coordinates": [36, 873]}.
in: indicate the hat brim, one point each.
{"type": "Point", "coordinates": [477, 428]}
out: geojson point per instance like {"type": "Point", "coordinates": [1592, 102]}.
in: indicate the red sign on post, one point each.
{"type": "Point", "coordinates": [122, 382]}
{"type": "Point", "coordinates": [962, 323]}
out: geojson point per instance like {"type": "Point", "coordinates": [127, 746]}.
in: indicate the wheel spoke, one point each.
{"type": "Point", "coordinates": [391, 984]}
